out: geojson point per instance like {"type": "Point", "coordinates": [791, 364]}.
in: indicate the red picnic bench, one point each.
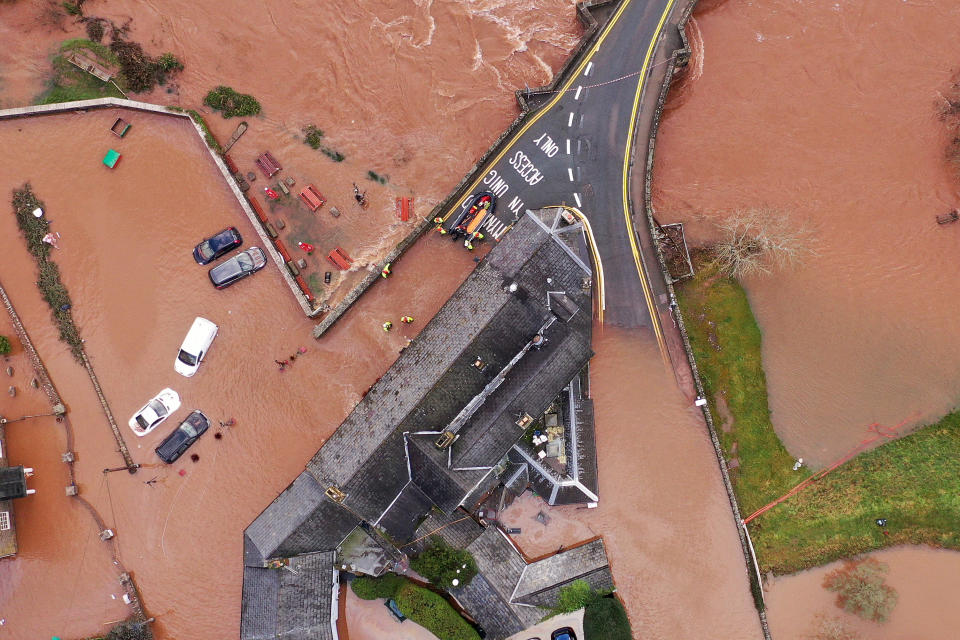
{"type": "Point", "coordinates": [403, 208]}
{"type": "Point", "coordinates": [340, 259]}
{"type": "Point", "coordinates": [268, 164]}
{"type": "Point", "coordinates": [312, 197]}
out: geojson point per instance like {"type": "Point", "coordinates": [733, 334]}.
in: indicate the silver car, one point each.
{"type": "Point", "coordinates": [238, 267]}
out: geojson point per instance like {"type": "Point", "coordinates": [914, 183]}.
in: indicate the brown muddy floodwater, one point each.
{"type": "Point", "coordinates": [926, 607]}
{"type": "Point", "coordinates": [416, 93]}
{"type": "Point", "coordinates": [125, 256]}
{"type": "Point", "coordinates": [828, 113]}
{"type": "Point", "coordinates": [663, 513]}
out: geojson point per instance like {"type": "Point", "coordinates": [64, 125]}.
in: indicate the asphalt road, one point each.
{"type": "Point", "coordinates": [575, 149]}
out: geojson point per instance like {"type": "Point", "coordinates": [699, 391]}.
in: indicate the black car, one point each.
{"type": "Point", "coordinates": [566, 633]}
{"type": "Point", "coordinates": [183, 436]}
{"type": "Point", "coordinates": [216, 246]}
{"type": "Point", "coordinates": [238, 267]}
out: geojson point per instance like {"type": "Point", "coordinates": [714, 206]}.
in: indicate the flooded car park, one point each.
{"type": "Point", "coordinates": [132, 329]}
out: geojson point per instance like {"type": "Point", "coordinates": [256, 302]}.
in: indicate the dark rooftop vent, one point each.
{"type": "Point", "coordinates": [511, 286]}
{"type": "Point", "coordinates": [13, 483]}
{"type": "Point", "coordinates": [561, 305]}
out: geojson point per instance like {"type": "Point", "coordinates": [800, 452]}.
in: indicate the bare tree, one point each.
{"type": "Point", "coordinates": [755, 241]}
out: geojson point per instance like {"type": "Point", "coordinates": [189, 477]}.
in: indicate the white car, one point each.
{"type": "Point", "coordinates": [155, 412]}
{"type": "Point", "coordinates": [195, 346]}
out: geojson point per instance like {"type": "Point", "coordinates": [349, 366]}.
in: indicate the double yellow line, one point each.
{"type": "Point", "coordinates": [641, 270]}
{"type": "Point", "coordinates": [638, 260]}
{"type": "Point", "coordinates": [597, 263]}
{"type": "Point", "coordinates": [573, 77]}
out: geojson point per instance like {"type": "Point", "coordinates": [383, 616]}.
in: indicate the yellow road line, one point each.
{"type": "Point", "coordinates": [573, 76]}
{"type": "Point", "coordinates": [598, 264]}
{"type": "Point", "coordinates": [654, 318]}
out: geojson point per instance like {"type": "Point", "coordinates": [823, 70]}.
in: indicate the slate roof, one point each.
{"type": "Point", "coordinates": [306, 598]}
{"type": "Point", "coordinates": [259, 606]}
{"type": "Point", "coordinates": [293, 603]}
{"type": "Point", "coordinates": [580, 483]}
{"type": "Point", "coordinates": [458, 529]}
{"type": "Point", "coordinates": [383, 458]}
{"type": "Point", "coordinates": [300, 520]}
{"type": "Point", "coordinates": [401, 520]}
{"type": "Point", "coordinates": [510, 595]}
{"type": "Point", "coordinates": [552, 573]}
{"type": "Point", "coordinates": [487, 597]}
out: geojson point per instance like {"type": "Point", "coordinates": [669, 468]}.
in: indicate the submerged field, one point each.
{"type": "Point", "coordinates": [913, 481]}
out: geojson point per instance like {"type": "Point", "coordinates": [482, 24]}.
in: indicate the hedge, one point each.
{"type": "Point", "coordinates": [432, 612]}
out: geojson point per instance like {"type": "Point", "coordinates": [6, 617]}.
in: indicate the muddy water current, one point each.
{"type": "Point", "coordinates": [827, 113]}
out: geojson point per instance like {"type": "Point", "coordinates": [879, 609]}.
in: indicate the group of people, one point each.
{"type": "Point", "coordinates": [468, 242]}
{"type": "Point", "coordinates": [387, 326]}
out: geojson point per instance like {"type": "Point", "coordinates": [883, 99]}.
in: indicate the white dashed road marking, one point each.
{"type": "Point", "coordinates": [570, 120]}
{"type": "Point", "coordinates": [576, 197]}
{"type": "Point", "coordinates": [576, 96]}
{"type": "Point", "coordinates": [570, 173]}
{"type": "Point", "coordinates": [568, 146]}
{"type": "Point", "coordinates": [589, 68]}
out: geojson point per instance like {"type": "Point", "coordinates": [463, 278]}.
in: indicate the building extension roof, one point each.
{"type": "Point", "coordinates": [294, 603]}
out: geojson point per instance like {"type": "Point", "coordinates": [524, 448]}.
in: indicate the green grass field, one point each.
{"type": "Point", "coordinates": [68, 83]}
{"type": "Point", "coordinates": [913, 482]}
{"type": "Point", "coordinates": [726, 342]}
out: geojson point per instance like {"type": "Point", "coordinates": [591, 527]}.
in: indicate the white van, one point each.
{"type": "Point", "coordinates": [195, 346]}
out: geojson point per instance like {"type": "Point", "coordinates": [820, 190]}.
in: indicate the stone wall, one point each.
{"type": "Point", "coordinates": [106, 103]}
{"type": "Point", "coordinates": [529, 104]}
{"type": "Point", "coordinates": [678, 59]}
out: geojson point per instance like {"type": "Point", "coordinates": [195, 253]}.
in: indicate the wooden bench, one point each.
{"type": "Point", "coordinates": [268, 164]}
{"type": "Point", "coordinates": [340, 259]}
{"type": "Point", "coordinates": [258, 210]}
{"type": "Point", "coordinates": [312, 198]}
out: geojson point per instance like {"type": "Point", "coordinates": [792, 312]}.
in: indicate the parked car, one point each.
{"type": "Point", "coordinates": [195, 346]}
{"type": "Point", "coordinates": [183, 436]}
{"type": "Point", "coordinates": [394, 608]}
{"type": "Point", "coordinates": [218, 245]}
{"type": "Point", "coordinates": [238, 267]}
{"type": "Point", "coordinates": [565, 633]}
{"type": "Point", "coordinates": [155, 412]}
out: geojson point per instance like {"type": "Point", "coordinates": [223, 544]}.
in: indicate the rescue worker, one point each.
{"type": "Point", "coordinates": [468, 245]}
{"type": "Point", "coordinates": [406, 319]}
{"type": "Point", "coordinates": [385, 271]}
{"type": "Point", "coordinates": [387, 326]}
{"type": "Point", "coordinates": [439, 222]}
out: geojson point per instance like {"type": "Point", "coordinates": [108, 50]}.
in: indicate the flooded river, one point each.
{"type": "Point", "coordinates": [827, 112]}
